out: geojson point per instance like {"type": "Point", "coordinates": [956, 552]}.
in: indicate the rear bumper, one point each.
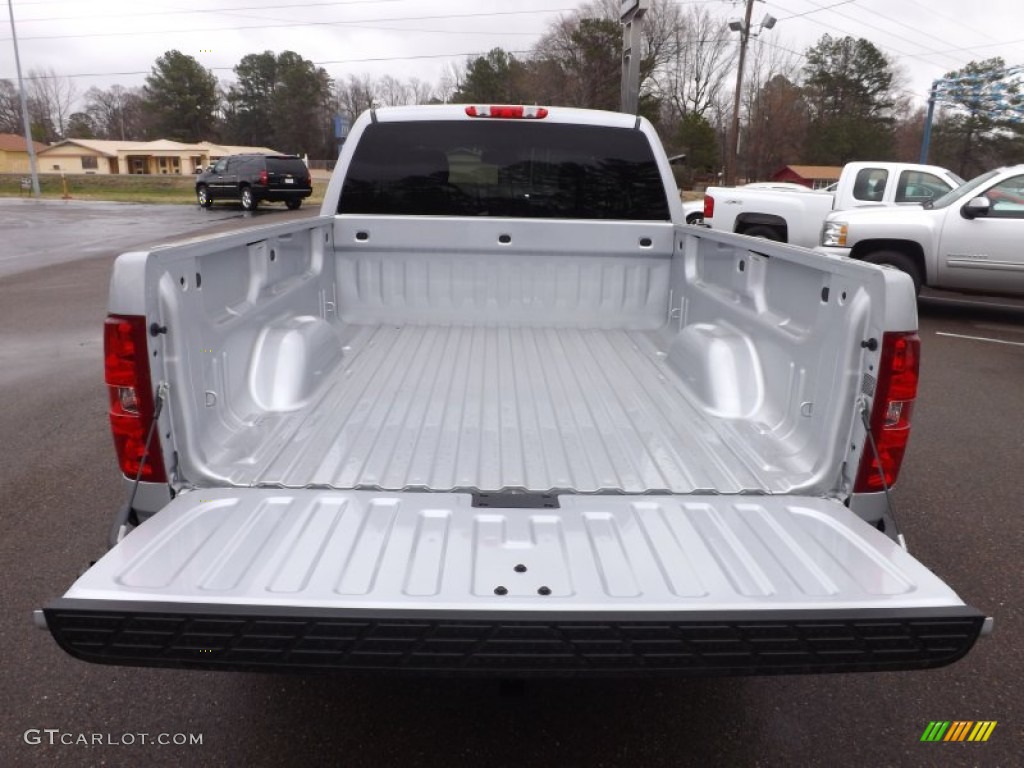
{"type": "Point", "coordinates": [280, 194]}
{"type": "Point", "coordinates": [511, 643]}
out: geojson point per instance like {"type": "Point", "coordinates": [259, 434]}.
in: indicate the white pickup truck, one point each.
{"type": "Point", "coordinates": [968, 240]}
{"type": "Point", "coordinates": [796, 218]}
{"type": "Point", "coordinates": [499, 410]}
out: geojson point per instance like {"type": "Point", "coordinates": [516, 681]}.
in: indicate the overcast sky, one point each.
{"type": "Point", "coordinates": [102, 42]}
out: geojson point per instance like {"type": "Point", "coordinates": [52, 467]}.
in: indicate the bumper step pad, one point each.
{"type": "Point", "coordinates": [505, 643]}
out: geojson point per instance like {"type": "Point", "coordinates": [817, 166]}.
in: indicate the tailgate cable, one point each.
{"type": "Point", "coordinates": [120, 527]}
{"type": "Point", "coordinates": [890, 507]}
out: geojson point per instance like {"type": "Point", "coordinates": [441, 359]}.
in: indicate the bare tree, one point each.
{"type": "Point", "coordinates": [355, 95]}
{"type": "Point", "coordinates": [576, 63]}
{"type": "Point", "coordinates": [909, 133]}
{"type": "Point", "coordinates": [392, 92]}
{"type": "Point", "coordinates": [658, 36]}
{"type": "Point", "coordinates": [773, 112]}
{"type": "Point", "coordinates": [420, 92]}
{"type": "Point", "coordinates": [452, 78]}
{"type": "Point", "coordinates": [10, 108]}
{"type": "Point", "coordinates": [776, 128]}
{"type": "Point", "coordinates": [660, 39]}
{"type": "Point", "coordinates": [52, 99]}
{"type": "Point", "coordinates": [700, 63]}
{"type": "Point", "coordinates": [117, 112]}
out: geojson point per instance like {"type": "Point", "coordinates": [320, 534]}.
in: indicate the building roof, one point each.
{"type": "Point", "coordinates": [234, 149]}
{"type": "Point", "coordinates": [111, 148]}
{"type": "Point", "coordinates": [12, 142]}
{"type": "Point", "coordinates": [103, 147]}
{"type": "Point", "coordinates": [815, 171]}
{"type": "Point", "coordinates": [166, 145]}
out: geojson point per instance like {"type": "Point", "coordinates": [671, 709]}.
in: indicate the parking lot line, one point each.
{"type": "Point", "coordinates": [980, 338]}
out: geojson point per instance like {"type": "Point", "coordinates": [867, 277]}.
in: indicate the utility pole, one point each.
{"type": "Point", "coordinates": [631, 13]}
{"type": "Point", "coordinates": [731, 158]}
{"type": "Point", "coordinates": [29, 145]}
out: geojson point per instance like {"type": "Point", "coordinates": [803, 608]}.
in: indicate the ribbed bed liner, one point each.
{"type": "Point", "coordinates": [490, 408]}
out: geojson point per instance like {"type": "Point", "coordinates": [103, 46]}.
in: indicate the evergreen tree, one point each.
{"type": "Point", "coordinates": [182, 98]}
{"type": "Point", "coordinates": [848, 89]}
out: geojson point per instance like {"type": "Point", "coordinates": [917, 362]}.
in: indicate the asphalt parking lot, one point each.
{"type": "Point", "coordinates": [959, 502]}
{"type": "Point", "coordinates": [37, 233]}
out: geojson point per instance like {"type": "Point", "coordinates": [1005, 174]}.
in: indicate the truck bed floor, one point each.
{"type": "Point", "coordinates": [457, 407]}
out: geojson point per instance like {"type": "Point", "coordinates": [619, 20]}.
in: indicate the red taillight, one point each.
{"type": "Point", "coordinates": [507, 112]}
{"type": "Point", "coordinates": [130, 394]}
{"type": "Point", "coordinates": [893, 407]}
{"type": "Point", "coordinates": [709, 207]}
{"type": "Point", "coordinates": [263, 178]}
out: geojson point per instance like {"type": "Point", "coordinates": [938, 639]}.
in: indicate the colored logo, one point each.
{"type": "Point", "coordinates": [958, 730]}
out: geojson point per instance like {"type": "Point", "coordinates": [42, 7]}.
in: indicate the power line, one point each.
{"type": "Point", "coordinates": [959, 21]}
{"type": "Point", "coordinates": [920, 55]}
{"type": "Point", "coordinates": [395, 29]}
{"type": "Point", "coordinates": [987, 45]}
{"type": "Point", "coordinates": [132, 14]}
{"type": "Point", "coordinates": [815, 10]}
{"type": "Point", "coordinates": [352, 22]}
{"type": "Point", "coordinates": [846, 31]}
{"type": "Point", "coordinates": [916, 30]}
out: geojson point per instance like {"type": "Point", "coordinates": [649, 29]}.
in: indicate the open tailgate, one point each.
{"type": "Point", "coordinates": [320, 580]}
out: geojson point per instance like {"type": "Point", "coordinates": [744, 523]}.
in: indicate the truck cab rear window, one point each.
{"type": "Point", "coordinates": [496, 168]}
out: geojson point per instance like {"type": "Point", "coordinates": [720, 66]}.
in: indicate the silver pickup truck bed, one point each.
{"type": "Point", "coordinates": [444, 407]}
{"type": "Point", "coordinates": [498, 410]}
{"type": "Point", "coordinates": [390, 365]}
{"type": "Point", "coordinates": [403, 457]}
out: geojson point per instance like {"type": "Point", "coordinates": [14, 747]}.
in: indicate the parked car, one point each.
{"type": "Point", "coordinates": [797, 218]}
{"type": "Point", "coordinates": [499, 410]}
{"type": "Point", "coordinates": [251, 179]}
{"type": "Point", "coordinates": [967, 240]}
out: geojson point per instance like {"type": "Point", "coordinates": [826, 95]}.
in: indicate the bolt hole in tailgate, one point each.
{"type": "Point", "coordinates": [323, 580]}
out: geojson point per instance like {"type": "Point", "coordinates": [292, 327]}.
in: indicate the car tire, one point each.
{"type": "Point", "coordinates": [248, 199]}
{"type": "Point", "coordinates": [293, 205]}
{"type": "Point", "coordinates": [900, 261]}
{"type": "Point", "coordinates": [767, 233]}
{"type": "Point", "coordinates": [203, 196]}
{"type": "Point", "coordinates": [695, 218]}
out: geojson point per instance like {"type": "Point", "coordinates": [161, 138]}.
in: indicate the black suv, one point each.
{"type": "Point", "coordinates": [252, 178]}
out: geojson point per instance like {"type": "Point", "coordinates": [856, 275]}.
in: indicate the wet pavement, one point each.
{"type": "Point", "coordinates": [76, 229]}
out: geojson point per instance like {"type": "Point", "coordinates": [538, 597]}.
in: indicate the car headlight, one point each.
{"type": "Point", "coordinates": [834, 234]}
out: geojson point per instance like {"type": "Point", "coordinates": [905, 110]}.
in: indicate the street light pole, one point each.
{"type": "Point", "coordinates": [631, 13]}
{"type": "Point", "coordinates": [24, 108]}
{"type": "Point", "coordinates": [926, 138]}
{"type": "Point", "coordinates": [731, 158]}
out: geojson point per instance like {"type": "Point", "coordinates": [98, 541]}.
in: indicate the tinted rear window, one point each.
{"type": "Point", "coordinates": [504, 168]}
{"type": "Point", "coordinates": [291, 165]}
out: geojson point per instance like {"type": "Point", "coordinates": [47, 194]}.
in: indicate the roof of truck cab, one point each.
{"type": "Point", "coordinates": [458, 112]}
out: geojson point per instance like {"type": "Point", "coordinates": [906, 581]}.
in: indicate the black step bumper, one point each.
{"type": "Point", "coordinates": [511, 643]}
